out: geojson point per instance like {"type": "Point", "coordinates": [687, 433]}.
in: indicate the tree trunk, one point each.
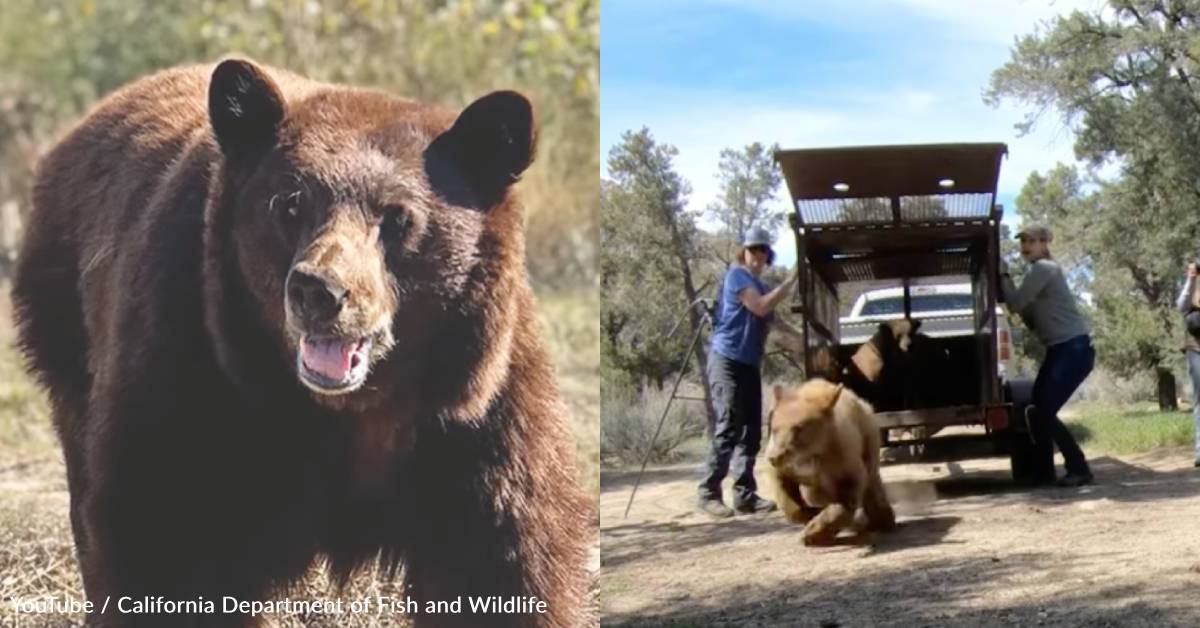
{"type": "Point", "coordinates": [1167, 399]}
{"type": "Point", "coordinates": [695, 317]}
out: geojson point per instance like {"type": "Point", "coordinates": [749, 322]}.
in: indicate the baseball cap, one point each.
{"type": "Point", "coordinates": [757, 236]}
{"type": "Point", "coordinates": [1035, 231]}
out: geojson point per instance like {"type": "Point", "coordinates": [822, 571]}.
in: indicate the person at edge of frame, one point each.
{"type": "Point", "coordinates": [744, 313]}
{"type": "Point", "coordinates": [1189, 303]}
{"type": "Point", "coordinates": [1047, 307]}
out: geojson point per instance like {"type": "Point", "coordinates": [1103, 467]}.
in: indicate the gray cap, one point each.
{"type": "Point", "coordinates": [757, 236]}
{"type": "Point", "coordinates": [1035, 231]}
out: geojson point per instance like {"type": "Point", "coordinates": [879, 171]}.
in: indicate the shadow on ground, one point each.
{"type": "Point", "coordinates": [1115, 479]}
{"type": "Point", "coordinates": [631, 542]}
{"type": "Point", "coordinates": [945, 598]}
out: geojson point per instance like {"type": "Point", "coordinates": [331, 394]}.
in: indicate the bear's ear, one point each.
{"type": "Point", "coordinates": [245, 107]}
{"type": "Point", "coordinates": [492, 141]}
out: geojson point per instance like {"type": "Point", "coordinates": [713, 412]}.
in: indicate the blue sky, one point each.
{"type": "Point", "coordinates": [709, 74]}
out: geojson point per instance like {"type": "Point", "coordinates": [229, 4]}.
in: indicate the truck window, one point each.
{"type": "Point", "coordinates": [920, 303]}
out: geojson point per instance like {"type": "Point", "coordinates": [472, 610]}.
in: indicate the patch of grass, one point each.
{"type": "Point", "coordinates": [1127, 429]}
{"type": "Point", "coordinates": [630, 420]}
{"type": "Point", "coordinates": [569, 325]}
{"type": "Point", "coordinates": [611, 585]}
{"type": "Point", "coordinates": [25, 429]}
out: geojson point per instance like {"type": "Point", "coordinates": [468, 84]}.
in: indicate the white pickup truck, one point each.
{"type": "Point", "coordinates": [945, 310]}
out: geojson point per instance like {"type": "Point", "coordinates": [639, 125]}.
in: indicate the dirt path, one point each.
{"type": "Point", "coordinates": [971, 550]}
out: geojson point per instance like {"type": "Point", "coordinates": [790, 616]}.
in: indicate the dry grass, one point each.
{"type": "Point", "coordinates": [571, 328]}
{"type": "Point", "coordinates": [36, 552]}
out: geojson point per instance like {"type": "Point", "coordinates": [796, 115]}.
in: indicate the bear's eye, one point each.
{"type": "Point", "coordinates": [395, 223]}
{"type": "Point", "coordinates": [285, 207]}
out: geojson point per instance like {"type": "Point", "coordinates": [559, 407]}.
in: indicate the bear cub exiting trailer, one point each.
{"type": "Point", "coordinates": [282, 320]}
{"type": "Point", "coordinates": [824, 455]}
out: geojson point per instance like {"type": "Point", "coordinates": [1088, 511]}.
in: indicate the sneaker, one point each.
{"type": "Point", "coordinates": [714, 507]}
{"type": "Point", "coordinates": [756, 505]}
{"type": "Point", "coordinates": [1074, 479]}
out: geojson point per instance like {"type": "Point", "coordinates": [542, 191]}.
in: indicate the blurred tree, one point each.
{"type": "Point", "coordinates": [1123, 81]}
{"type": "Point", "coordinates": [57, 57]}
{"type": "Point", "coordinates": [648, 248]}
{"type": "Point", "coordinates": [864, 210]}
{"type": "Point", "coordinates": [749, 181]}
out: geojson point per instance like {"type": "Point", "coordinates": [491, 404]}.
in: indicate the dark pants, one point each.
{"type": "Point", "coordinates": [1066, 365]}
{"type": "Point", "coordinates": [737, 404]}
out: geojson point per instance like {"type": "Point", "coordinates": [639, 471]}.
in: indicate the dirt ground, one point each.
{"type": "Point", "coordinates": [971, 550]}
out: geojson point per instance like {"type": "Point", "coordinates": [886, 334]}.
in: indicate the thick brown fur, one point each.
{"type": "Point", "coordinates": [824, 460]}
{"type": "Point", "coordinates": [154, 300]}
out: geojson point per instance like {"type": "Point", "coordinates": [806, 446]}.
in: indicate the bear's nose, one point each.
{"type": "Point", "coordinates": [317, 299]}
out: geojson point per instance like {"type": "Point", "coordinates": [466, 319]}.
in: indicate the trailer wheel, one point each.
{"type": "Point", "coordinates": [1022, 454]}
{"type": "Point", "coordinates": [1021, 457]}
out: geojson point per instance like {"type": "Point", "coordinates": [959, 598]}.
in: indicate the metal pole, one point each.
{"type": "Point", "coordinates": [662, 419]}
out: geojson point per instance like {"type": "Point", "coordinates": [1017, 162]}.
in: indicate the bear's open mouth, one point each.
{"type": "Point", "coordinates": [333, 366]}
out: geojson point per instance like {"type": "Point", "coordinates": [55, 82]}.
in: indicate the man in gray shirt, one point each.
{"type": "Point", "coordinates": [1047, 307]}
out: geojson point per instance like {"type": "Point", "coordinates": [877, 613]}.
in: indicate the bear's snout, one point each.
{"type": "Point", "coordinates": [775, 453]}
{"type": "Point", "coordinates": [314, 297]}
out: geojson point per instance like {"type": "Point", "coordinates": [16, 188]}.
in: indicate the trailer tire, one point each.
{"type": "Point", "coordinates": [1022, 458]}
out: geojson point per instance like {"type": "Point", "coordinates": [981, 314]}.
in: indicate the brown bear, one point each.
{"type": "Point", "coordinates": [282, 321]}
{"type": "Point", "coordinates": [824, 455]}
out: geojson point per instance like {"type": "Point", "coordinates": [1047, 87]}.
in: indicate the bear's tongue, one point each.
{"type": "Point", "coordinates": [328, 358]}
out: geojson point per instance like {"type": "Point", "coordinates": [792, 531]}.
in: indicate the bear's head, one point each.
{"type": "Point", "coordinates": [896, 336]}
{"type": "Point", "coordinates": [374, 241]}
{"type": "Point", "coordinates": [802, 425]}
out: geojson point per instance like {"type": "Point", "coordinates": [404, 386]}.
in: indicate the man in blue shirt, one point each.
{"type": "Point", "coordinates": [744, 311]}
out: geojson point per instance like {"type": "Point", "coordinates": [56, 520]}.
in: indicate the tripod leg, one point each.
{"type": "Point", "coordinates": [678, 380]}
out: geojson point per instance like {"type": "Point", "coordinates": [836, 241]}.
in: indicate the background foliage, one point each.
{"type": "Point", "coordinates": [59, 56]}
{"type": "Point", "coordinates": [1123, 78]}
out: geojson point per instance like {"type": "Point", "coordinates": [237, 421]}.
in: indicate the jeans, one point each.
{"type": "Point", "coordinates": [1066, 365]}
{"type": "Point", "coordinates": [1193, 361]}
{"type": "Point", "coordinates": [737, 404]}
